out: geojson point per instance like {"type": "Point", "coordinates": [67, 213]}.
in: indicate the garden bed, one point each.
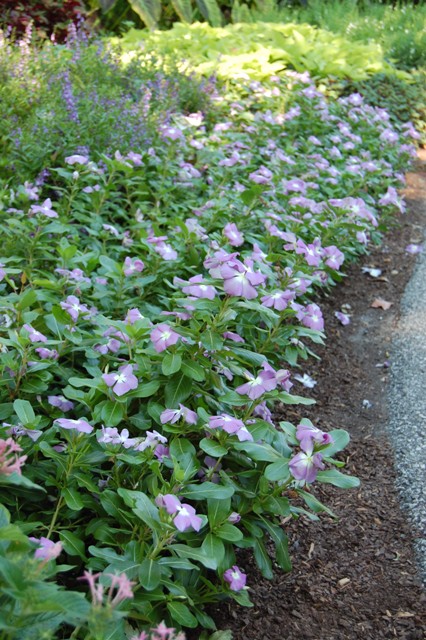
{"type": "Point", "coordinates": [355, 577]}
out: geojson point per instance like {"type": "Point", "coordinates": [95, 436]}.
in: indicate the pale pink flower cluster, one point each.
{"type": "Point", "coordinates": [10, 460]}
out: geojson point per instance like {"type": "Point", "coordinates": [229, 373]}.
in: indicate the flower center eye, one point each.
{"type": "Point", "coordinates": [120, 378]}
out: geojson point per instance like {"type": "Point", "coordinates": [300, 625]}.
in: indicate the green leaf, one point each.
{"type": "Point", "coordinates": [211, 341]}
{"type": "Point", "coordinates": [177, 390]}
{"type": "Point", "coordinates": [281, 544]}
{"type": "Point", "coordinates": [112, 413]}
{"type": "Point", "coordinates": [20, 481]}
{"type": "Point", "coordinates": [228, 532]}
{"type": "Point", "coordinates": [93, 383]}
{"type": "Point", "coordinates": [72, 499]}
{"type": "Point", "coordinates": [72, 545]}
{"type": "Point", "coordinates": [172, 363]}
{"type": "Point", "coordinates": [149, 574]}
{"type": "Point", "coordinates": [26, 300]}
{"type": "Point", "coordinates": [213, 547]}
{"type": "Point", "coordinates": [6, 410]}
{"type": "Point", "coordinates": [277, 471]}
{"type": "Point", "coordinates": [340, 441]}
{"type": "Point", "coordinates": [207, 490]}
{"type": "Point", "coordinates": [194, 553]}
{"type": "Point", "coordinates": [218, 510]}
{"type": "Point", "coordinates": [314, 504]}
{"type": "Point", "coordinates": [149, 11]}
{"type": "Point", "coordinates": [287, 398]}
{"type": "Point", "coordinates": [184, 457]}
{"type": "Point", "coordinates": [193, 370]}
{"type": "Point", "coordinates": [177, 563]}
{"type": "Point", "coordinates": [184, 10]}
{"type": "Point", "coordinates": [263, 561]}
{"type": "Point", "coordinates": [145, 389]}
{"type": "Point", "coordinates": [332, 476]}
{"type": "Point", "coordinates": [180, 612]}
{"type": "Point", "coordinates": [212, 448]}
{"type": "Point", "coordinates": [24, 411]}
{"type": "Point", "coordinates": [210, 11]}
{"type": "Point", "coordinates": [142, 506]}
{"type": "Point", "coordinates": [258, 451]}
{"type": "Point", "coordinates": [279, 506]}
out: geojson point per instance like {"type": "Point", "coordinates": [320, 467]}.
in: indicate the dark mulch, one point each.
{"type": "Point", "coordinates": [353, 579]}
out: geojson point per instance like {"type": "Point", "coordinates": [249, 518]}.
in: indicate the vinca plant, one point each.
{"type": "Point", "coordinates": [157, 304]}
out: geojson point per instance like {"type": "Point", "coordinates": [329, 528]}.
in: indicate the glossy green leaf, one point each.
{"type": "Point", "coordinates": [149, 574]}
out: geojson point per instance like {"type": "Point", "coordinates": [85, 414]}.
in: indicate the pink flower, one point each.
{"type": "Point", "coordinates": [414, 248]}
{"type": "Point", "coordinates": [343, 318]}
{"type": "Point", "coordinates": [186, 516]}
{"type": "Point", "coordinates": [312, 252]}
{"type": "Point", "coordinates": [163, 336]}
{"type": "Point", "coordinates": [62, 403]}
{"type": "Point", "coordinates": [172, 133]}
{"type": "Point", "coordinates": [198, 289]}
{"type": "Point", "coordinates": [257, 386]}
{"type": "Point", "coordinates": [34, 335]}
{"type": "Point", "coordinates": [240, 279]}
{"type": "Point", "coordinates": [47, 354]}
{"type": "Point", "coordinates": [307, 434]}
{"type": "Point", "coordinates": [278, 300]}
{"type": "Point", "coordinates": [235, 578]}
{"type": "Point", "coordinates": [73, 307]}
{"type": "Point", "coordinates": [133, 315]}
{"type": "Point", "coordinates": [132, 265]}
{"type": "Point", "coordinates": [10, 461]}
{"type": "Point", "coordinates": [80, 425]}
{"type": "Point", "coordinates": [45, 209]}
{"type": "Point", "coordinates": [235, 337]}
{"type": "Point", "coordinates": [305, 465]}
{"type": "Point", "coordinates": [226, 422]}
{"type": "Point", "coordinates": [123, 381]}
{"type": "Point", "coordinates": [234, 236]}
{"type": "Point", "coordinates": [173, 415]}
{"type": "Point", "coordinates": [261, 176]}
{"type": "Point", "coordinates": [312, 317]}
{"type": "Point", "coordinates": [334, 257]}
{"type": "Point", "coordinates": [76, 159]}
{"type": "Point", "coordinates": [47, 550]}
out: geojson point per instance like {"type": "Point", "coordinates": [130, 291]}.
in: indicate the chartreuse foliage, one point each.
{"type": "Point", "coordinates": [262, 49]}
{"type": "Point", "coordinates": [157, 302]}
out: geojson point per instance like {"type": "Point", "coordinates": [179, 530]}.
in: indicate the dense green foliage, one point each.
{"type": "Point", "coordinates": [262, 49]}
{"type": "Point", "coordinates": [164, 239]}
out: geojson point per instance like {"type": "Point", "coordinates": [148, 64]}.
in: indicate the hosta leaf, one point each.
{"type": "Point", "coordinates": [149, 11]}
{"type": "Point", "coordinates": [210, 11]}
{"type": "Point", "coordinates": [184, 9]}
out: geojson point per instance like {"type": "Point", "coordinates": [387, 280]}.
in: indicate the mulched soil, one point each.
{"type": "Point", "coordinates": [355, 578]}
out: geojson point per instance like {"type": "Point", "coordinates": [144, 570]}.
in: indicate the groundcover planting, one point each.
{"type": "Point", "coordinates": [157, 301]}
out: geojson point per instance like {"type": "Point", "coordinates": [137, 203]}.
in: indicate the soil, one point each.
{"type": "Point", "coordinates": [354, 578]}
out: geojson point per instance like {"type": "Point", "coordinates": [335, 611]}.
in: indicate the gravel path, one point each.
{"type": "Point", "coordinates": [407, 398]}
